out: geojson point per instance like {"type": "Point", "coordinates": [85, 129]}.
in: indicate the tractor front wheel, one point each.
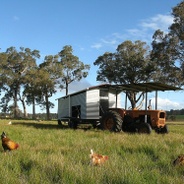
{"type": "Point", "coordinates": [162, 130]}
{"type": "Point", "coordinates": [144, 128]}
{"type": "Point", "coordinates": [111, 121]}
{"type": "Point", "coordinates": [165, 129]}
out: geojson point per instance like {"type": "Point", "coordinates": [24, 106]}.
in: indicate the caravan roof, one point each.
{"type": "Point", "coordinates": [140, 87]}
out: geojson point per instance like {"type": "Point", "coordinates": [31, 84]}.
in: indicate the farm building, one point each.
{"type": "Point", "coordinates": [89, 103]}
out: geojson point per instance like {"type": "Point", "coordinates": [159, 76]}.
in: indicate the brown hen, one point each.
{"type": "Point", "coordinates": [97, 159]}
{"type": "Point", "coordinates": [8, 144]}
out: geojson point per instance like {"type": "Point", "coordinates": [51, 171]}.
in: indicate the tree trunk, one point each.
{"type": "Point", "coordinates": [66, 88]}
{"type": "Point", "coordinates": [131, 97]}
{"type": "Point", "coordinates": [47, 107]}
{"type": "Point", "coordinates": [24, 108]}
{"type": "Point", "coordinates": [34, 114]}
{"type": "Point", "coordinates": [22, 99]}
{"type": "Point", "coordinates": [15, 103]}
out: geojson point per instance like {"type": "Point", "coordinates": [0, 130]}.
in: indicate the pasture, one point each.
{"type": "Point", "coordinates": [50, 154]}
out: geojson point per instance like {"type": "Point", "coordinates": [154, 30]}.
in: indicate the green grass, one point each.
{"type": "Point", "coordinates": [49, 154]}
{"type": "Point", "coordinates": [179, 117]}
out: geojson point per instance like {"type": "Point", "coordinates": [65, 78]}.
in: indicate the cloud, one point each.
{"type": "Point", "coordinates": [111, 41]}
{"type": "Point", "coordinates": [96, 45]}
{"type": "Point", "coordinates": [143, 31]}
{"type": "Point", "coordinates": [15, 18]}
{"type": "Point", "coordinates": [166, 104]}
{"type": "Point", "coordinates": [157, 22]}
{"type": "Point", "coordinates": [78, 85]}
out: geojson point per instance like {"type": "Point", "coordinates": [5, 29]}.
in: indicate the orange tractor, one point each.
{"type": "Point", "coordinates": [140, 121]}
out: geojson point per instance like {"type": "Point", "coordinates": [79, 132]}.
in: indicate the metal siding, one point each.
{"type": "Point", "coordinates": [63, 107]}
{"type": "Point", "coordinates": [89, 102]}
{"type": "Point", "coordinates": [92, 104]}
{"type": "Point", "coordinates": [112, 100]}
{"type": "Point", "coordinates": [80, 99]}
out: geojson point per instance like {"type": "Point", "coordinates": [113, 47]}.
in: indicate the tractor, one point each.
{"type": "Point", "coordinates": [140, 121]}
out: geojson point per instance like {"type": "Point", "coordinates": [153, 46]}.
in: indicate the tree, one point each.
{"type": "Point", "coordinates": [31, 90]}
{"type": "Point", "coordinates": [49, 72]}
{"type": "Point", "coordinates": [40, 78]}
{"type": "Point", "coordinates": [130, 64]}
{"type": "Point", "coordinates": [163, 55]}
{"type": "Point", "coordinates": [14, 66]}
{"type": "Point", "coordinates": [73, 68]}
{"type": "Point", "coordinates": [168, 50]}
{"type": "Point", "coordinates": [177, 31]}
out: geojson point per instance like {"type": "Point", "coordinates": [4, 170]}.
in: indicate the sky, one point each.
{"type": "Point", "coordinates": [91, 27]}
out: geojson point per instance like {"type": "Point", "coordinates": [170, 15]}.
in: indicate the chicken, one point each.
{"type": "Point", "coordinates": [8, 144]}
{"type": "Point", "coordinates": [97, 159]}
{"type": "Point", "coordinates": [179, 160]}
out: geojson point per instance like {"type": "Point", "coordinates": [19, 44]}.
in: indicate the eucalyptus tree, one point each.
{"type": "Point", "coordinates": [168, 50]}
{"type": "Point", "coordinates": [49, 72]}
{"type": "Point", "coordinates": [73, 68]}
{"type": "Point", "coordinates": [176, 30]}
{"type": "Point", "coordinates": [14, 67]}
{"type": "Point", "coordinates": [130, 64]}
{"type": "Point", "coordinates": [163, 55]}
{"type": "Point", "coordinates": [31, 90]}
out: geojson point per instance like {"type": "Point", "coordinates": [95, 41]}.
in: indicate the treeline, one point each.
{"type": "Point", "coordinates": [175, 112]}
{"type": "Point", "coordinates": [38, 116]}
{"type": "Point", "coordinates": [24, 81]}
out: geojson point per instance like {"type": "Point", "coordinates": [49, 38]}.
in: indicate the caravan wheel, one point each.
{"type": "Point", "coordinates": [59, 122]}
{"type": "Point", "coordinates": [72, 124]}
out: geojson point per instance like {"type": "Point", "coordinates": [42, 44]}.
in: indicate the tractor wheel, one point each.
{"type": "Point", "coordinates": [127, 125]}
{"type": "Point", "coordinates": [144, 128]}
{"type": "Point", "coordinates": [111, 121]}
{"type": "Point", "coordinates": [165, 130]}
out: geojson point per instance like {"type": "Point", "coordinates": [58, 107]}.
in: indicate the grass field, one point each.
{"type": "Point", "coordinates": [49, 154]}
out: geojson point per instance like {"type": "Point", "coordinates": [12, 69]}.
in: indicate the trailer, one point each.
{"type": "Point", "coordinates": [87, 106]}
{"type": "Point", "coordinates": [101, 106]}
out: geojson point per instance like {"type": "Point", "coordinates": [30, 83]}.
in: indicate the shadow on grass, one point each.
{"type": "Point", "coordinates": [49, 126]}
{"type": "Point", "coordinates": [40, 125]}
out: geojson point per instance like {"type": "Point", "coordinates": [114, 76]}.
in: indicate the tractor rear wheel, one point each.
{"type": "Point", "coordinates": [144, 128]}
{"type": "Point", "coordinates": [111, 121]}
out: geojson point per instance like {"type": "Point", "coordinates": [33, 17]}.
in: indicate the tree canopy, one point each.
{"type": "Point", "coordinates": [25, 81]}
{"type": "Point", "coordinates": [14, 66]}
{"type": "Point", "coordinates": [168, 50]}
{"type": "Point", "coordinates": [73, 68]}
{"type": "Point", "coordinates": [130, 64]}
